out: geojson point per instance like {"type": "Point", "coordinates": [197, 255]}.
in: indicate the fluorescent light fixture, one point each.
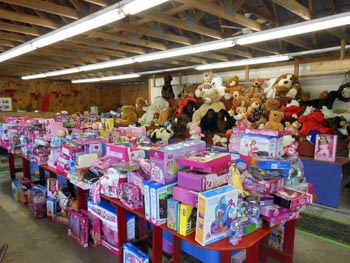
{"type": "Point", "coordinates": [137, 6]}
{"type": "Point", "coordinates": [203, 47]}
{"type": "Point", "coordinates": [103, 17]}
{"type": "Point", "coordinates": [62, 72]}
{"type": "Point", "coordinates": [35, 76]}
{"type": "Point", "coordinates": [116, 77]}
{"type": "Point", "coordinates": [244, 62]}
{"type": "Point", "coordinates": [296, 29]}
{"type": "Point", "coordinates": [17, 51]}
{"type": "Point", "coordinates": [165, 70]}
{"type": "Point", "coordinates": [107, 64]}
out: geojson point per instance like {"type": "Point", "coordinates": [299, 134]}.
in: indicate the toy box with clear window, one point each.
{"type": "Point", "coordinates": [94, 229]}
{"type": "Point", "coordinates": [216, 209]}
{"type": "Point", "coordinates": [109, 226]}
{"type": "Point", "coordinates": [78, 227]}
{"type": "Point", "coordinates": [264, 187]}
{"type": "Point", "coordinates": [291, 198]}
{"type": "Point", "coordinates": [187, 219]}
{"type": "Point", "coordinates": [326, 147]}
{"type": "Point", "coordinates": [164, 165]}
{"type": "Point", "coordinates": [132, 254]}
{"type": "Point", "coordinates": [172, 214]}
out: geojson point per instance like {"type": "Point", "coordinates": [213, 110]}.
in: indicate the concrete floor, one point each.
{"type": "Point", "coordinates": [42, 240]}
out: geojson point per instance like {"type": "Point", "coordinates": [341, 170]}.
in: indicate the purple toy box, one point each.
{"type": "Point", "coordinates": [185, 196]}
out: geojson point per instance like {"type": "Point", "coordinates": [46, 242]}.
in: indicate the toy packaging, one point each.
{"type": "Point", "coordinates": [132, 254]}
{"type": "Point", "coordinates": [216, 209]}
{"type": "Point", "coordinates": [173, 214]}
{"type": "Point", "coordinates": [262, 186]}
{"type": "Point", "coordinates": [147, 199]}
{"type": "Point", "coordinates": [78, 227]}
{"type": "Point", "coordinates": [111, 182]}
{"type": "Point", "coordinates": [118, 151]}
{"type": "Point", "coordinates": [205, 161]}
{"type": "Point", "coordinates": [276, 237]}
{"type": "Point", "coordinates": [185, 196]}
{"type": "Point", "coordinates": [51, 206]}
{"type": "Point", "coordinates": [16, 190]}
{"type": "Point", "coordinates": [130, 195]}
{"type": "Point", "coordinates": [284, 217]}
{"type": "Point", "coordinates": [326, 147]}
{"type": "Point", "coordinates": [187, 219]}
{"type": "Point", "coordinates": [156, 199]}
{"type": "Point", "coordinates": [164, 165]}
{"type": "Point", "coordinates": [291, 198]}
{"type": "Point", "coordinates": [201, 181]}
{"type": "Point", "coordinates": [94, 228]}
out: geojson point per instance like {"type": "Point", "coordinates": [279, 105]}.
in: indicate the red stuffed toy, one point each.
{"type": "Point", "coordinates": [313, 121]}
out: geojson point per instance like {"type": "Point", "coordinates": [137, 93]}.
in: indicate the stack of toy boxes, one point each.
{"type": "Point", "coordinates": [68, 155]}
{"type": "Point", "coordinates": [109, 226]}
{"type": "Point", "coordinates": [205, 170]}
{"type": "Point", "coordinates": [41, 150]}
{"type": "Point", "coordinates": [164, 169]}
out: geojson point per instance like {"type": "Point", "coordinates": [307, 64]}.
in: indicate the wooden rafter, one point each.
{"type": "Point", "coordinates": [295, 7]}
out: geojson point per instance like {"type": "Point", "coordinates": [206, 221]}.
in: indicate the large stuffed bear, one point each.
{"type": "Point", "coordinates": [158, 104]}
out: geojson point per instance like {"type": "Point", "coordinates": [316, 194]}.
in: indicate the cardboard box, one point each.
{"type": "Point", "coordinates": [132, 254]}
{"type": "Point", "coordinates": [295, 199]}
{"type": "Point", "coordinates": [262, 186]}
{"type": "Point", "coordinates": [173, 214]}
{"type": "Point", "coordinates": [216, 209]}
{"type": "Point", "coordinates": [187, 219]}
{"type": "Point", "coordinates": [185, 196]}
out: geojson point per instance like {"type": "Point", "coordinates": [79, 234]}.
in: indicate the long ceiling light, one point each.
{"type": "Point", "coordinates": [296, 29]}
{"type": "Point", "coordinates": [203, 47]}
{"type": "Point", "coordinates": [244, 62]}
{"type": "Point", "coordinates": [116, 77]}
{"type": "Point", "coordinates": [103, 17]}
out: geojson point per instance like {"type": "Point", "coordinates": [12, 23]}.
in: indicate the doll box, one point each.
{"type": "Point", "coordinates": [325, 147]}
{"type": "Point", "coordinates": [130, 195]}
{"type": "Point", "coordinates": [118, 151]}
{"type": "Point", "coordinates": [281, 217]}
{"type": "Point", "coordinates": [133, 254]}
{"type": "Point", "coordinates": [159, 194]}
{"type": "Point", "coordinates": [262, 186]}
{"type": "Point", "coordinates": [164, 165]}
{"type": "Point", "coordinates": [263, 162]}
{"type": "Point", "coordinates": [187, 219]}
{"type": "Point", "coordinates": [71, 151]}
{"type": "Point", "coordinates": [291, 198]}
{"type": "Point", "coordinates": [173, 214]}
{"type": "Point", "coordinates": [205, 159]}
{"type": "Point", "coordinates": [201, 181]}
{"type": "Point", "coordinates": [216, 209]}
{"type": "Point", "coordinates": [273, 210]}
{"type": "Point", "coordinates": [185, 196]}
{"type": "Point", "coordinates": [78, 227]}
{"type": "Point", "coordinates": [94, 228]}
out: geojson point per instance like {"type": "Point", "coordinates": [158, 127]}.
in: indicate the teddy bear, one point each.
{"type": "Point", "coordinates": [140, 104]}
{"type": "Point", "coordinates": [255, 90]}
{"type": "Point", "coordinates": [274, 122]}
{"type": "Point", "coordinates": [255, 112]}
{"type": "Point", "coordinates": [285, 86]}
{"type": "Point", "coordinates": [291, 124]}
{"type": "Point", "coordinates": [217, 83]}
{"type": "Point", "coordinates": [188, 91]}
{"type": "Point", "coordinates": [129, 115]}
{"type": "Point", "coordinates": [240, 101]}
{"type": "Point", "coordinates": [232, 89]}
{"type": "Point", "coordinates": [158, 104]}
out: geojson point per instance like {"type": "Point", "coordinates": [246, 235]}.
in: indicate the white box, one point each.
{"type": "Point", "coordinates": [216, 209]}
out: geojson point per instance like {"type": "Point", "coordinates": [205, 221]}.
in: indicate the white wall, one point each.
{"type": "Point", "coordinates": [308, 82]}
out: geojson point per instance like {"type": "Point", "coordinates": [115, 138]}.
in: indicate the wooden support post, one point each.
{"type": "Point", "coordinates": [296, 67]}
{"type": "Point", "coordinates": [342, 49]}
{"type": "Point", "coordinates": [247, 72]}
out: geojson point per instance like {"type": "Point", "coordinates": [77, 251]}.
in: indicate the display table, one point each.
{"type": "Point", "coordinates": [326, 178]}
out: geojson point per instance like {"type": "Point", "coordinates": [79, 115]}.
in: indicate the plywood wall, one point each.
{"type": "Point", "coordinates": [28, 95]}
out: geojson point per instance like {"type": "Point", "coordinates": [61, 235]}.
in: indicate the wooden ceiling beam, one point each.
{"type": "Point", "coordinates": [95, 50]}
{"type": "Point", "coordinates": [47, 7]}
{"type": "Point", "coordinates": [339, 33]}
{"type": "Point", "coordinates": [19, 29]}
{"type": "Point", "coordinates": [295, 7]}
{"type": "Point", "coordinates": [259, 12]}
{"type": "Point", "coordinates": [101, 3]}
{"type": "Point", "coordinates": [6, 43]}
{"type": "Point", "coordinates": [28, 19]}
{"type": "Point", "coordinates": [220, 12]}
{"type": "Point", "coordinates": [13, 37]}
{"type": "Point", "coordinates": [299, 42]}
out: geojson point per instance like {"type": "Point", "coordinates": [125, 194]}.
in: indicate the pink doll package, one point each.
{"type": "Point", "coordinates": [78, 224]}
{"type": "Point", "coordinates": [94, 228]}
{"type": "Point", "coordinates": [325, 147]}
{"type": "Point", "coordinates": [130, 195]}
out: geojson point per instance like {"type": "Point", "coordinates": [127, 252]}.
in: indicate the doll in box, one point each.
{"type": "Point", "coordinates": [222, 217]}
{"type": "Point", "coordinates": [323, 147]}
{"type": "Point", "coordinates": [60, 137]}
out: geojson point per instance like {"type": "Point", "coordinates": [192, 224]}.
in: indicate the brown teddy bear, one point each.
{"type": "Point", "coordinates": [255, 90]}
{"type": "Point", "coordinates": [239, 103]}
{"type": "Point", "coordinates": [255, 112]}
{"type": "Point", "coordinates": [140, 104]}
{"type": "Point", "coordinates": [285, 86]}
{"type": "Point", "coordinates": [232, 89]}
{"type": "Point", "coordinates": [274, 122]}
{"type": "Point", "coordinates": [128, 115]}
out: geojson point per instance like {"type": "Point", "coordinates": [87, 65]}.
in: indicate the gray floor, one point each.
{"type": "Point", "coordinates": [42, 240]}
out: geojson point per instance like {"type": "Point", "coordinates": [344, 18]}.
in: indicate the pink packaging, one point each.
{"type": "Point", "coordinates": [70, 150]}
{"type": "Point", "coordinates": [185, 196]}
{"type": "Point", "coordinates": [94, 228]}
{"type": "Point", "coordinates": [130, 195]}
{"type": "Point", "coordinates": [206, 161]}
{"type": "Point", "coordinates": [164, 162]}
{"type": "Point", "coordinates": [137, 178]}
{"type": "Point", "coordinates": [282, 217]}
{"type": "Point", "coordinates": [118, 151]}
{"type": "Point", "coordinates": [201, 181]}
{"type": "Point", "coordinates": [274, 210]}
{"type": "Point", "coordinates": [78, 227]}
{"type": "Point", "coordinates": [291, 198]}
{"type": "Point", "coordinates": [262, 186]}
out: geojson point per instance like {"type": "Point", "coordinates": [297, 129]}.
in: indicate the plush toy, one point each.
{"type": "Point", "coordinates": [254, 110]}
{"type": "Point", "coordinates": [255, 90]}
{"type": "Point", "coordinates": [342, 102]}
{"type": "Point", "coordinates": [140, 104]}
{"type": "Point", "coordinates": [208, 122]}
{"type": "Point", "coordinates": [60, 138]}
{"type": "Point", "coordinates": [326, 100]}
{"type": "Point", "coordinates": [187, 106]}
{"type": "Point", "coordinates": [167, 89]}
{"type": "Point", "coordinates": [156, 107]}
{"type": "Point", "coordinates": [339, 125]}
{"type": "Point", "coordinates": [128, 116]}
{"type": "Point", "coordinates": [240, 101]}
{"type": "Point", "coordinates": [224, 121]}
{"type": "Point", "coordinates": [232, 89]}
{"type": "Point", "coordinates": [286, 85]}
{"type": "Point", "coordinates": [274, 122]}
{"type": "Point", "coordinates": [313, 121]}
{"type": "Point", "coordinates": [195, 132]}
{"type": "Point", "coordinates": [293, 108]}
{"type": "Point", "coordinates": [217, 83]}
{"type": "Point", "coordinates": [219, 141]}
{"type": "Point", "coordinates": [291, 124]}
{"type": "Point", "coordinates": [188, 91]}
{"type": "Point", "coordinates": [272, 104]}
{"type": "Point", "coordinates": [208, 93]}
{"type": "Point", "coordinates": [162, 134]}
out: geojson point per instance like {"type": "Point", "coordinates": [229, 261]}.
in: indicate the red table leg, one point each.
{"type": "Point", "coordinates": [11, 161]}
{"type": "Point", "coordinates": [122, 230]}
{"type": "Point", "coordinates": [225, 256]}
{"type": "Point", "coordinates": [26, 167]}
{"type": "Point", "coordinates": [252, 254]}
{"type": "Point", "coordinates": [81, 197]}
{"type": "Point", "coordinates": [157, 244]}
{"type": "Point", "coordinates": [176, 249]}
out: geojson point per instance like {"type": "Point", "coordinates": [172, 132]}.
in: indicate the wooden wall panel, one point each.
{"type": "Point", "coordinates": [28, 95]}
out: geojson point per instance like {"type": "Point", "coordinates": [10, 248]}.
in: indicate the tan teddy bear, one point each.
{"type": "Point", "coordinates": [275, 121]}
{"type": "Point", "coordinates": [129, 115]}
{"type": "Point", "coordinates": [140, 104]}
{"type": "Point", "coordinates": [255, 90]}
{"type": "Point", "coordinates": [232, 89]}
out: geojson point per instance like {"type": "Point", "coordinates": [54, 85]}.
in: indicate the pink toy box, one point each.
{"type": "Point", "coordinates": [164, 165]}
{"type": "Point", "coordinates": [263, 142]}
{"type": "Point", "coordinates": [72, 150]}
{"type": "Point", "coordinates": [155, 200]}
{"type": "Point", "coordinates": [132, 254]}
{"type": "Point", "coordinates": [78, 227]}
{"type": "Point", "coordinates": [137, 178]}
{"type": "Point", "coordinates": [94, 228]}
{"type": "Point", "coordinates": [118, 151]}
{"type": "Point", "coordinates": [185, 196]}
{"type": "Point", "coordinates": [325, 147]}
{"type": "Point", "coordinates": [262, 186]}
{"type": "Point", "coordinates": [130, 195]}
{"type": "Point", "coordinates": [109, 227]}
{"type": "Point", "coordinates": [284, 217]}
{"type": "Point", "coordinates": [211, 162]}
{"type": "Point", "coordinates": [291, 198]}
{"type": "Point", "coordinates": [201, 181]}
{"type": "Point", "coordinates": [274, 210]}
{"type": "Point", "coordinates": [216, 209]}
